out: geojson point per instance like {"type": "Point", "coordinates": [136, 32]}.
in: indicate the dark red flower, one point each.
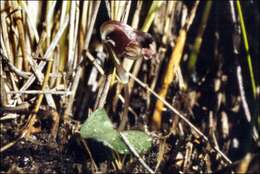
{"type": "Point", "coordinates": [126, 41]}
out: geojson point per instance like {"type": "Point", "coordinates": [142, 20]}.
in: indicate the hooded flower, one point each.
{"type": "Point", "coordinates": [126, 41]}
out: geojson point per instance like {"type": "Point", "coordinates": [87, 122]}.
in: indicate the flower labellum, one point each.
{"type": "Point", "coordinates": [126, 41]}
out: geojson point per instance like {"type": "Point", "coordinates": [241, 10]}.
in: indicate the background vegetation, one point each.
{"type": "Point", "coordinates": [196, 100]}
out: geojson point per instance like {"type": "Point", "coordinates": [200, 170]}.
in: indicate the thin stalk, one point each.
{"type": "Point", "coordinates": [172, 67]}
{"type": "Point", "coordinates": [72, 28]}
{"type": "Point", "coordinates": [63, 43]}
{"type": "Point", "coordinates": [49, 16]}
{"type": "Point", "coordinates": [21, 31]}
{"type": "Point", "coordinates": [30, 126]}
{"type": "Point", "coordinates": [132, 149]}
{"type": "Point", "coordinates": [46, 91]}
{"type": "Point", "coordinates": [151, 14]}
{"type": "Point", "coordinates": [4, 37]}
{"type": "Point", "coordinates": [169, 76]}
{"type": "Point", "coordinates": [148, 22]}
{"type": "Point", "coordinates": [30, 21]}
{"type": "Point", "coordinates": [79, 70]}
{"type": "Point", "coordinates": [248, 56]}
{"type": "Point", "coordinates": [47, 53]}
{"type": "Point", "coordinates": [126, 12]}
{"type": "Point", "coordinates": [198, 41]}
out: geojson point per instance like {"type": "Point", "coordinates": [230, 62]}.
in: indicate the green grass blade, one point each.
{"type": "Point", "coordinates": [248, 56]}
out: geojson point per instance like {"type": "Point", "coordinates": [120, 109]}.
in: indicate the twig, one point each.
{"type": "Point", "coordinates": [187, 158]}
{"type": "Point", "coordinates": [95, 63]}
{"type": "Point", "coordinates": [40, 92]}
{"type": "Point", "coordinates": [13, 68]}
{"type": "Point", "coordinates": [21, 108]}
{"type": "Point", "coordinates": [89, 153]}
{"type": "Point", "coordinates": [3, 94]}
{"type": "Point", "coordinates": [161, 153]}
{"type": "Point", "coordinates": [132, 149]}
{"type": "Point", "coordinates": [10, 116]}
{"type": "Point", "coordinates": [7, 146]}
{"type": "Point", "coordinates": [103, 92]}
{"type": "Point", "coordinates": [242, 94]}
{"type": "Point", "coordinates": [121, 98]}
{"type": "Point", "coordinates": [55, 125]}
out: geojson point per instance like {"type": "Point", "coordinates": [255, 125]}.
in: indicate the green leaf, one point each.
{"type": "Point", "coordinates": [139, 140]}
{"type": "Point", "coordinates": [99, 127]}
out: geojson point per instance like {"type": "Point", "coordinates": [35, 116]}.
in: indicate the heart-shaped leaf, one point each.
{"type": "Point", "coordinates": [99, 127]}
